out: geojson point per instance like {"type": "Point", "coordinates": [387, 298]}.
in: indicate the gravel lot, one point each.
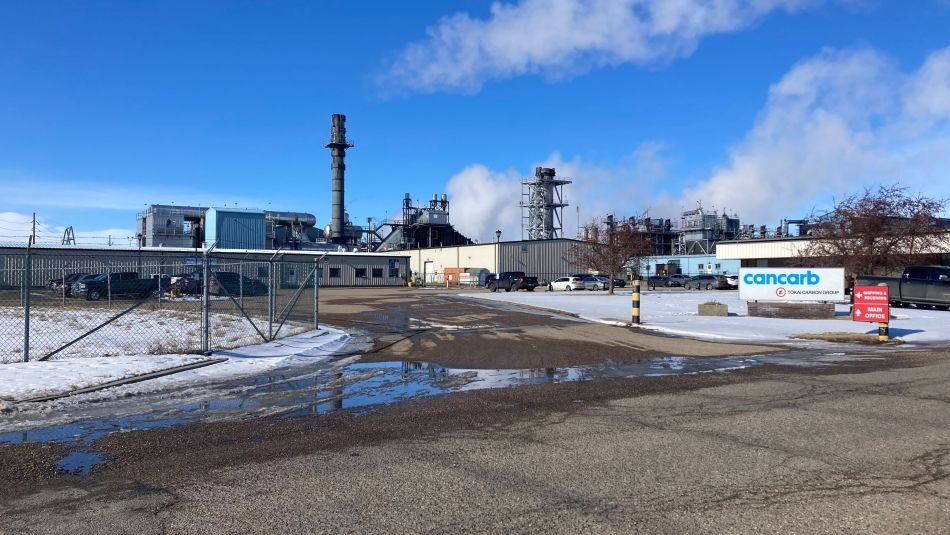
{"type": "Point", "coordinates": [863, 447]}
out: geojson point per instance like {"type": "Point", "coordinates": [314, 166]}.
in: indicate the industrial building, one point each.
{"type": "Point", "coordinates": [546, 259]}
{"type": "Point", "coordinates": [168, 225]}
{"type": "Point", "coordinates": [338, 268]}
{"type": "Point", "coordinates": [420, 226]}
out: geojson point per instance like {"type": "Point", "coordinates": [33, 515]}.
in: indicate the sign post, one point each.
{"type": "Point", "coordinates": [871, 304]}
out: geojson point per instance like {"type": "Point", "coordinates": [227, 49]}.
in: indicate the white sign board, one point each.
{"type": "Point", "coordinates": [791, 284]}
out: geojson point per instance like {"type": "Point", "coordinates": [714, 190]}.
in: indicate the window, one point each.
{"type": "Point", "coordinates": [393, 272]}
{"type": "Point", "coordinates": [917, 273]}
{"type": "Point", "coordinates": [717, 266]}
{"type": "Point", "coordinates": [361, 272]}
{"type": "Point", "coordinates": [334, 272]}
{"type": "Point", "coordinates": [700, 266]}
{"type": "Point", "coordinates": [377, 273]}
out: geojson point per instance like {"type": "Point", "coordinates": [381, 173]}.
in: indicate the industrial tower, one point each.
{"type": "Point", "coordinates": [337, 145]}
{"type": "Point", "coordinates": [544, 199]}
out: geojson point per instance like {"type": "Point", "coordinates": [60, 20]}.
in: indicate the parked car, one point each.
{"type": "Point", "coordinates": [111, 285]}
{"type": "Point", "coordinates": [230, 282]}
{"type": "Point", "coordinates": [513, 280]}
{"type": "Point", "coordinates": [657, 280]}
{"type": "Point", "coordinates": [706, 282]}
{"type": "Point", "coordinates": [72, 287]}
{"type": "Point", "coordinates": [733, 281]}
{"type": "Point", "coordinates": [590, 281]}
{"type": "Point", "coordinates": [491, 277]}
{"type": "Point", "coordinates": [677, 280]}
{"type": "Point", "coordinates": [186, 283]}
{"type": "Point", "coordinates": [567, 283]}
{"type": "Point", "coordinates": [923, 286]}
{"type": "Point", "coordinates": [620, 282]}
{"type": "Point", "coordinates": [65, 284]}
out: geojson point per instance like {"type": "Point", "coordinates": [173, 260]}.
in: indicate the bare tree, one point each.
{"type": "Point", "coordinates": [609, 245]}
{"type": "Point", "coordinates": [877, 232]}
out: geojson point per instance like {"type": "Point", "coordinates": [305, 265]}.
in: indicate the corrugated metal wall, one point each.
{"type": "Point", "coordinates": [236, 229]}
{"type": "Point", "coordinates": [545, 259]}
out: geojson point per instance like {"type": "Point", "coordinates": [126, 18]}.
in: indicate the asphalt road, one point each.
{"type": "Point", "coordinates": [858, 448]}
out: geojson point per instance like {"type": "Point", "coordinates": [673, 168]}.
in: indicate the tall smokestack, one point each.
{"type": "Point", "coordinates": [337, 145]}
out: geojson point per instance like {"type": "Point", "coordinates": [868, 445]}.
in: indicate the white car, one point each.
{"type": "Point", "coordinates": [567, 283]}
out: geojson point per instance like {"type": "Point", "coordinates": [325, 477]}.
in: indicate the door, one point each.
{"type": "Point", "coordinates": [938, 291]}
{"type": "Point", "coordinates": [428, 274]}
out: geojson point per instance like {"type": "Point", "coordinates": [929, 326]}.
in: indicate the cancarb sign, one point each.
{"type": "Point", "coordinates": [791, 284]}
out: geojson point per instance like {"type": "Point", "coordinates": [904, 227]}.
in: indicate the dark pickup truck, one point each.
{"type": "Point", "coordinates": [513, 280]}
{"type": "Point", "coordinates": [923, 286]}
{"type": "Point", "coordinates": [125, 284]}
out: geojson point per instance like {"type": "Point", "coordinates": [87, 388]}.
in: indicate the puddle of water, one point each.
{"type": "Point", "coordinates": [80, 462]}
{"type": "Point", "coordinates": [326, 388]}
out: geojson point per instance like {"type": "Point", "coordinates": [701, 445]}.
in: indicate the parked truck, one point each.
{"type": "Point", "coordinates": [923, 286]}
{"type": "Point", "coordinates": [513, 280]}
{"type": "Point", "coordinates": [124, 284]}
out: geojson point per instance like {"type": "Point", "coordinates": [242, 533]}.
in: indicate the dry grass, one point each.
{"type": "Point", "coordinates": [859, 338]}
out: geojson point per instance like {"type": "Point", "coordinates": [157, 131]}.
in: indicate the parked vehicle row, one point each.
{"type": "Point", "coordinates": [698, 282]}
{"type": "Point", "coordinates": [96, 286]}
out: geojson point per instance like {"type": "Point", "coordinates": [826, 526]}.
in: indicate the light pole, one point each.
{"type": "Point", "coordinates": [497, 249]}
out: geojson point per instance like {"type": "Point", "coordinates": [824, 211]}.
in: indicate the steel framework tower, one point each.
{"type": "Point", "coordinates": [543, 197]}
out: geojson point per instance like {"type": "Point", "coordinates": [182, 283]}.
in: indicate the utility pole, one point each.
{"type": "Point", "coordinates": [33, 235]}
{"type": "Point", "coordinates": [610, 251]}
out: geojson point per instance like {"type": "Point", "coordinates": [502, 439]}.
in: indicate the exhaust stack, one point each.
{"type": "Point", "coordinates": [337, 145]}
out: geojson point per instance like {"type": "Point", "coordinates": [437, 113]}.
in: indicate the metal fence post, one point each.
{"type": "Point", "coordinates": [205, 305]}
{"type": "Point", "coordinates": [27, 277]}
{"type": "Point", "coordinates": [270, 300]}
{"type": "Point", "coordinates": [316, 293]}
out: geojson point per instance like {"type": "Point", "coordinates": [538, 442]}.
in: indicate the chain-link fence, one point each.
{"type": "Point", "coordinates": [140, 304]}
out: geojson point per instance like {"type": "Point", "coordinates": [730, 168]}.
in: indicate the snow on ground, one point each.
{"type": "Point", "coordinates": [27, 380]}
{"type": "Point", "coordinates": [674, 312]}
{"type": "Point", "coordinates": [138, 332]}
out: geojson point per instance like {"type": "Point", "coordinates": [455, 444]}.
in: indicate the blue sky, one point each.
{"type": "Point", "coordinates": [765, 108]}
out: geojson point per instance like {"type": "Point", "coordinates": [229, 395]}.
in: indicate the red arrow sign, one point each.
{"type": "Point", "coordinates": [872, 313]}
{"type": "Point", "coordinates": [875, 295]}
{"type": "Point", "coordinates": [871, 304]}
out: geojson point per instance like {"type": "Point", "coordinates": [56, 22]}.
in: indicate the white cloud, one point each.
{"type": "Point", "coordinates": [103, 196]}
{"type": "Point", "coordinates": [560, 38]}
{"type": "Point", "coordinates": [833, 124]}
{"type": "Point", "coordinates": [16, 228]}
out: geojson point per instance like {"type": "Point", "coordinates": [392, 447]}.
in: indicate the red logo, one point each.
{"type": "Point", "coordinates": [780, 292]}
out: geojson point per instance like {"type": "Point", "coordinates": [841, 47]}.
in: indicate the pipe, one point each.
{"type": "Point", "coordinates": [290, 218]}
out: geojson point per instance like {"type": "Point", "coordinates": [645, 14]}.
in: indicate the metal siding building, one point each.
{"type": "Point", "coordinates": [546, 259]}
{"type": "Point", "coordinates": [228, 228]}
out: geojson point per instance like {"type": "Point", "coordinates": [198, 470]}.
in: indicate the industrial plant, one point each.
{"type": "Point", "coordinates": [688, 245]}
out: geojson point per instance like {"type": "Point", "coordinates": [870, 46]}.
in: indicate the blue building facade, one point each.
{"type": "Point", "coordinates": [688, 265]}
{"type": "Point", "coordinates": [232, 228]}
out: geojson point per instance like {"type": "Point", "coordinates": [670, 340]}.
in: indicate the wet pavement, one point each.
{"type": "Point", "coordinates": [355, 385]}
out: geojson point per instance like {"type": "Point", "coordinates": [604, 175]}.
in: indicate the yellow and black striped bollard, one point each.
{"type": "Point", "coordinates": [636, 302]}
{"type": "Point", "coordinates": [883, 331]}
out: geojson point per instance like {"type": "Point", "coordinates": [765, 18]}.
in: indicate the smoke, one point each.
{"type": "Point", "coordinates": [484, 201]}
{"type": "Point", "coordinates": [563, 38]}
